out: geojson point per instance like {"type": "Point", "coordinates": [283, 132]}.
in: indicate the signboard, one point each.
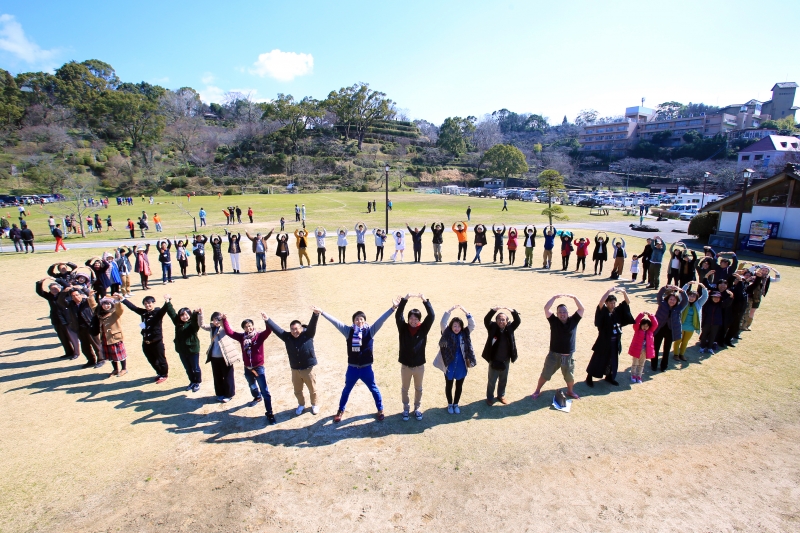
{"type": "Point", "coordinates": [760, 231]}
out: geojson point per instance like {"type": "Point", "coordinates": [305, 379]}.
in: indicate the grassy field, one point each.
{"type": "Point", "coordinates": [329, 209]}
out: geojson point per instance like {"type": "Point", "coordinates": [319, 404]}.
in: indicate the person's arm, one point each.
{"type": "Point", "coordinates": [660, 295]}
{"type": "Point", "coordinates": [605, 297]}
{"type": "Point", "coordinates": [275, 328]}
{"type": "Point", "coordinates": [487, 320]}
{"type": "Point", "coordinates": [343, 329]}
{"type": "Point", "coordinates": [428, 322]}
{"type": "Point", "coordinates": [445, 319]}
{"type": "Point", "coordinates": [269, 235]}
{"type": "Point", "coordinates": [516, 320]}
{"type": "Point", "coordinates": [138, 310]}
{"type": "Point", "coordinates": [422, 230]}
{"type": "Point", "coordinates": [52, 271]}
{"type": "Point", "coordinates": [247, 234]}
{"type": "Point", "coordinates": [398, 316]}
{"type": "Point", "coordinates": [311, 329]}
{"type": "Point", "coordinates": [548, 307]}
{"type": "Point", "coordinates": [40, 291]}
{"type": "Point", "coordinates": [229, 332]}
{"type": "Point", "coordinates": [200, 322]}
{"type": "Point", "coordinates": [578, 303]}
{"type": "Point", "coordinates": [381, 319]}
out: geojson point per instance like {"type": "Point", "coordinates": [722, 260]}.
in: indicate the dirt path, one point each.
{"type": "Point", "coordinates": [712, 445]}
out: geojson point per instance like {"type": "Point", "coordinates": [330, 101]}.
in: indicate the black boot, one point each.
{"type": "Point", "coordinates": [589, 381]}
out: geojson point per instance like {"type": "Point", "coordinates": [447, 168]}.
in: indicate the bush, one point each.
{"type": "Point", "coordinates": [230, 191]}
{"type": "Point", "coordinates": [178, 183]}
{"type": "Point", "coordinates": [204, 182]}
{"type": "Point", "coordinates": [703, 225]}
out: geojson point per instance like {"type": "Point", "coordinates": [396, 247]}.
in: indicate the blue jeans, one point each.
{"type": "Point", "coordinates": [166, 272]}
{"type": "Point", "coordinates": [191, 363]}
{"type": "Point", "coordinates": [202, 221]}
{"type": "Point", "coordinates": [366, 375]}
{"type": "Point", "coordinates": [261, 261]}
{"type": "Point", "coordinates": [478, 250]}
{"type": "Point", "coordinates": [258, 382]}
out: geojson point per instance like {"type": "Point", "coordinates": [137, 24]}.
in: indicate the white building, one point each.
{"type": "Point", "coordinates": [776, 199]}
{"type": "Point", "coordinates": [770, 154]}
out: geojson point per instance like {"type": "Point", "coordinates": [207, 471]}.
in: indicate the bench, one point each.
{"type": "Point", "coordinates": [598, 211]}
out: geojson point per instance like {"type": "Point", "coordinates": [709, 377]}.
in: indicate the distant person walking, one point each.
{"type": "Point", "coordinates": [202, 215]}
{"type": "Point", "coordinates": [250, 216]}
{"type": "Point", "coordinates": [505, 205]}
{"type": "Point", "coordinates": [296, 213]}
{"type": "Point", "coordinates": [469, 213]}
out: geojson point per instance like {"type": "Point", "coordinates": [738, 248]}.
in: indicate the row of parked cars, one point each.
{"type": "Point", "coordinates": [29, 199]}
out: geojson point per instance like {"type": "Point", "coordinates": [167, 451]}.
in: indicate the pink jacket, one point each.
{"type": "Point", "coordinates": [640, 337]}
{"type": "Point", "coordinates": [583, 248]}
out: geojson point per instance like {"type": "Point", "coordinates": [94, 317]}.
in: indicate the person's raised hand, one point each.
{"type": "Point", "coordinates": [264, 316]}
{"type": "Point", "coordinates": [316, 310]}
{"type": "Point", "coordinates": [167, 297]}
{"type": "Point", "coordinates": [396, 302]}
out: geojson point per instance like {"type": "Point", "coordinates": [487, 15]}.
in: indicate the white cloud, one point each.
{"type": "Point", "coordinates": [14, 41]}
{"type": "Point", "coordinates": [212, 94]}
{"type": "Point", "coordinates": [283, 66]}
{"type": "Point", "coordinates": [165, 79]}
{"type": "Point", "coordinates": [208, 78]}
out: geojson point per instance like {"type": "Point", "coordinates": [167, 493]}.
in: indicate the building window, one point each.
{"type": "Point", "coordinates": [794, 145]}
{"type": "Point", "coordinates": [774, 196]}
{"type": "Point", "coordinates": [784, 145]}
{"type": "Point", "coordinates": [733, 207]}
{"type": "Point", "coordinates": [758, 157]}
{"type": "Point", "coordinates": [745, 158]}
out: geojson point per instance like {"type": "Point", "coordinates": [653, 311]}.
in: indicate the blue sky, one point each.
{"type": "Point", "coordinates": [434, 58]}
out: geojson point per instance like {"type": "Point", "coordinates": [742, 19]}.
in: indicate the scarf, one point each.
{"type": "Point", "coordinates": [355, 340]}
{"type": "Point", "coordinates": [450, 343]}
{"type": "Point", "coordinates": [247, 344]}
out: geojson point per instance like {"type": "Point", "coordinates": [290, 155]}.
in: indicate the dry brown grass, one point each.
{"type": "Point", "coordinates": [710, 446]}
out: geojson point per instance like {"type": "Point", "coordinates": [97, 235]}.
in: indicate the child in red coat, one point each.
{"type": "Point", "coordinates": [642, 346]}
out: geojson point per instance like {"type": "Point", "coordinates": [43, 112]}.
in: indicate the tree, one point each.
{"type": "Point", "coordinates": [505, 160]}
{"type": "Point", "coordinates": [785, 126]}
{"type": "Point", "coordinates": [429, 130]}
{"type": "Point", "coordinates": [11, 109]}
{"type": "Point", "coordinates": [357, 108]}
{"type": "Point", "coordinates": [487, 134]}
{"type": "Point", "coordinates": [294, 117]}
{"type": "Point", "coordinates": [76, 86]}
{"type": "Point", "coordinates": [553, 184]}
{"type": "Point", "coordinates": [669, 110]}
{"type": "Point", "coordinates": [77, 190]}
{"type": "Point", "coordinates": [132, 115]}
{"type": "Point", "coordinates": [586, 116]}
{"type": "Point", "coordinates": [455, 133]}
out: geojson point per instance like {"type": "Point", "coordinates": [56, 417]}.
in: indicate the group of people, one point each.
{"type": "Point", "coordinates": [718, 299]}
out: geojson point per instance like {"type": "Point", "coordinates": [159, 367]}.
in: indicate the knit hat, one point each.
{"type": "Point", "coordinates": [716, 294]}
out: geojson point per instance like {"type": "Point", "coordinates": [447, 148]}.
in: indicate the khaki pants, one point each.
{"type": "Point", "coordinates": [302, 253]}
{"type": "Point", "coordinates": [126, 284]}
{"type": "Point", "coordinates": [304, 377]}
{"type": "Point", "coordinates": [637, 365]}
{"type": "Point", "coordinates": [406, 373]}
{"type": "Point", "coordinates": [547, 258]}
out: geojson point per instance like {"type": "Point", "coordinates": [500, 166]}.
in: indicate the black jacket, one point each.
{"type": "Point", "coordinates": [52, 300]}
{"type": "Point", "coordinates": [416, 236]}
{"type": "Point", "coordinates": [480, 238]}
{"type": "Point", "coordinates": [26, 234]}
{"type": "Point", "coordinates": [301, 349]}
{"type": "Point", "coordinates": [494, 334]}
{"type": "Point", "coordinates": [80, 315]}
{"type": "Point", "coordinates": [437, 233]}
{"type": "Point", "coordinates": [646, 253]}
{"type": "Point", "coordinates": [152, 320]}
{"type": "Point", "coordinates": [412, 348]}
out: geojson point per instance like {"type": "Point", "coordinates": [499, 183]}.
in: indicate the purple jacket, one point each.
{"type": "Point", "coordinates": [256, 356]}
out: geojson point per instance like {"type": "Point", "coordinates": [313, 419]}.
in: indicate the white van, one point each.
{"type": "Point", "coordinates": [683, 208]}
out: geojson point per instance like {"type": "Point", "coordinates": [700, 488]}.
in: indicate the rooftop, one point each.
{"type": "Point", "coordinates": [779, 143]}
{"type": "Point", "coordinates": [785, 85]}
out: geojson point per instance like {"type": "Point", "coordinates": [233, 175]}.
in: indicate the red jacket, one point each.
{"type": "Point", "coordinates": [255, 355]}
{"type": "Point", "coordinates": [641, 337]}
{"type": "Point", "coordinates": [582, 248]}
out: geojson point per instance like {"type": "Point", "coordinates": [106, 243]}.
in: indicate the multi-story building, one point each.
{"type": "Point", "coordinates": [640, 124]}
{"type": "Point", "coordinates": [782, 103]}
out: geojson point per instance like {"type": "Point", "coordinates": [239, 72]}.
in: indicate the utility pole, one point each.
{"type": "Point", "coordinates": [386, 169]}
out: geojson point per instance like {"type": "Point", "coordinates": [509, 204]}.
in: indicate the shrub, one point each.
{"type": "Point", "coordinates": [178, 183]}
{"type": "Point", "coordinates": [703, 224]}
{"type": "Point", "coordinates": [204, 182]}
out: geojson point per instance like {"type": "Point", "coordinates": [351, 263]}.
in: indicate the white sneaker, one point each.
{"type": "Point", "coordinates": [710, 352]}
{"type": "Point", "coordinates": [300, 409]}
{"type": "Point", "coordinates": [309, 266]}
{"type": "Point", "coordinates": [456, 410]}
{"type": "Point", "coordinates": [314, 410]}
{"type": "Point", "coordinates": [225, 399]}
{"type": "Point", "coordinates": [301, 266]}
{"type": "Point", "coordinates": [450, 408]}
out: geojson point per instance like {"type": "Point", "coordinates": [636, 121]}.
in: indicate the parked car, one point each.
{"type": "Point", "coordinates": [589, 202]}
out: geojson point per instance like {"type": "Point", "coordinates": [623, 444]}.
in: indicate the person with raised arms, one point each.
{"type": "Point", "coordinates": [566, 249]}
{"type": "Point", "coordinates": [360, 337]}
{"type": "Point", "coordinates": [460, 229]}
{"type": "Point", "coordinates": [413, 339]}
{"type": "Point", "coordinates": [511, 244]}
{"type": "Point", "coordinates": [437, 230]}
{"type": "Point", "coordinates": [549, 243]}
{"type": "Point", "coordinates": [361, 232]}
{"type": "Point", "coordinates": [302, 246]}
{"type": "Point", "coordinates": [234, 250]}
{"type": "Point", "coordinates": [152, 333]}
{"type": "Point", "coordinates": [282, 249]}
{"type": "Point", "coordinates": [380, 240]}
{"type": "Point", "coordinates": [399, 244]}
{"type": "Point", "coordinates": [600, 253]}
{"type": "Point", "coordinates": [609, 319]}
{"type": "Point", "coordinates": [341, 244]}
{"type": "Point", "coordinates": [480, 241]}
{"type": "Point", "coordinates": [581, 251]}
{"type": "Point", "coordinates": [529, 243]}
{"type": "Point", "coordinates": [499, 351]}
{"type": "Point", "coordinates": [252, 343]}
{"type": "Point", "coordinates": [416, 239]}
{"type": "Point", "coordinates": [187, 343]}
{"type": "Point", "coordinates": [299, 342]}
{"type": "Point", "coordinates": [320, 233]}
{"type": "Point", "coordinates": [456, 355]}
{"type": "Point", "coordinates": [260, 249]}
{"type": "Point", "coordinates": [216, 247]}
{"type": "Point", "coordinates": [222, 352]}
{"type": "Point", "coordinates": [563, 327]}
{"type": "Point", "coordinates": [499, 232]}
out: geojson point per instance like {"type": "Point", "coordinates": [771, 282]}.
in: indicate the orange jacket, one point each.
{"type": "Point", "coordinates": [462, 234]}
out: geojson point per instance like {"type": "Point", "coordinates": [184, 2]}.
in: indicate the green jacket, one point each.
{"type": "Point", "coordinates": [186, 339]}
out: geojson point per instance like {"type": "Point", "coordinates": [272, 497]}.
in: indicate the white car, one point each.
{"type": "Point", "coordinates": [687, 216]}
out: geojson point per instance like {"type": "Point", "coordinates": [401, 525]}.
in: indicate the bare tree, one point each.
{"type": "Point", "coordinates": [78, 190]}
{"type": "Point", "coordinates": [487, 133]}
{"type": "Point", "coordinates": [428, 129]}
